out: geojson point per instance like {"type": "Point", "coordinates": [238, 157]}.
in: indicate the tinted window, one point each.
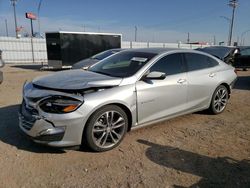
{"type": "Point", "coordinates": [170, 64]}
{"type": "Point", "coordinates": [123, 64]}
{"type": "Point", "coordinates": [199, 61]}
{"type": "Point", "coordinates": [211, 62]}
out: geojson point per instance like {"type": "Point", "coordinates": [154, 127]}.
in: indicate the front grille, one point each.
{"type": "Point", "coordinates": [26, 117]}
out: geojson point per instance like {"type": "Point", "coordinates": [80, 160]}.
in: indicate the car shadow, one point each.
{"type": "Point", "coordinates": [38, 67]}
{"type": "Point", "coordinates": [214, 172]}
{"type": "Point", "coordinates": [11, 134]}
{"type": "Point", "coordinates": [243, 83]}
{"type": "Point", "coordinates": [29, 67]}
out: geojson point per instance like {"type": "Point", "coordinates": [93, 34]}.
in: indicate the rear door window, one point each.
{"type": "Point", "coordinates": [212, 62]}
{"type": "Point", "coordinates": [199, 61]}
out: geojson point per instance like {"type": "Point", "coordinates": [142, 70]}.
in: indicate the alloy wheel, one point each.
{"type": "Point", "coordinates": [108, 129]}
{"type": "Point", "coordinates": [220, 99]}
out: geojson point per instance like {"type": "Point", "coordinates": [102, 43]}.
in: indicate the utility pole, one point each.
{"type": "Point", "coordinates": [6, 27]}
{"type": "Point", "coordinates": [233, 4]}
{"type": "Point", "coordinates": [32, 45]}
{"type": "Point", "coordinates": [13, 2]}
{"type": "Point", "coordinates": [188, 39]}
{"type": "Point", "coordinates": [32, 17]}
{"type": "Point", "coordinates": [229, 21]}
{"type": "Point", "coordinates": [135, 33]}
{"type": "Point", "coordinates": [214, 40]}
{"type": "Point", "coordinates": [38, 17]}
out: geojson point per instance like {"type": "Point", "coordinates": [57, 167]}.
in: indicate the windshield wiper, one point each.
{"type": "Point", "coordinates": [95, 58]}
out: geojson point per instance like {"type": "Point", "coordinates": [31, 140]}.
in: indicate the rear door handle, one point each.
{"type": "Point", "coordinates": [212, 75]}
{"type": "Point", "coordinates": [181, 81]}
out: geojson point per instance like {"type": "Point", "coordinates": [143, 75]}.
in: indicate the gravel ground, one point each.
{"type": "Point", "coordinates": [196, 150]}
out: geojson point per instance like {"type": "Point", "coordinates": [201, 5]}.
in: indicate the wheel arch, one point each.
{"type": "Point", "coordinates": [128, 113]}
{"type": "Point", "coordinates": [85, 139]}
{"type": "Point", "coordinates": [211, 108]}
{"type": "Point", "coordinates": [224, 84]}
{"type": "Point", "coordinates": [227, 86]}
{"type": "Point", "coordinates": [122, 106]}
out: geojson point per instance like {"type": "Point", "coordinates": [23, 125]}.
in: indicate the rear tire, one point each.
{"type": "Point", "coordinates": [106, 128]}
{"type": "Point", "coordinates": [219, 100]}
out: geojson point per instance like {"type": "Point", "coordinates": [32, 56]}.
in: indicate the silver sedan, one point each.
{"type": "Point", "coordinates": [128, 90]}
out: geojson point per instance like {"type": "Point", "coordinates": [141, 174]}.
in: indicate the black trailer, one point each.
{"type": "Point", "coordinates": [66, 48]}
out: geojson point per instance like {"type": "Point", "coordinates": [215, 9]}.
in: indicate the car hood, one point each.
{"type": "Point", "coordinates": [84, 63]}
{"type": "Point", "coordinates": [75, 80]}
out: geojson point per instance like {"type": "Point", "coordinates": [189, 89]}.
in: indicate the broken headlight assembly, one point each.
{"type": "Point", "coordinates": [59, 104]}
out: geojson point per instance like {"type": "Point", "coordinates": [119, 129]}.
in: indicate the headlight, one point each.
{"type": "Point", "coordinates": [59, 104]}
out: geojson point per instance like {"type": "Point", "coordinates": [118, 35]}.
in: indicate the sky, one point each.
{"type": "Point", "coordinates": [156, 21]}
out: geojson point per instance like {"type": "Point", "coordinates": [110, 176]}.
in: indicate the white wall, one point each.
{"type": "Point", "coordinates": [19, 50]}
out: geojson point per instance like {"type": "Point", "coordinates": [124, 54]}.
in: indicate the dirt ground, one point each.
{"type": "Point", "coordinates": [196, 150]}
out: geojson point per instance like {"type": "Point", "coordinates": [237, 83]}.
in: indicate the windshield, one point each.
{"type": "Point", "coordinates": [123, 64]}
{"type": "Point", "coordinates": [104, 54]}
{"type": "Point", "coordinates": [220, 52]}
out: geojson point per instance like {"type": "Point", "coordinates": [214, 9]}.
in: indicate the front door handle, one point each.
{"type": "Point", "coordinates": [181, 81]}
{"type": "Point", "coordinates": [212, 75]}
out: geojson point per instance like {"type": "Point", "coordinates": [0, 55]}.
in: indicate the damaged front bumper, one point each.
{"type": "Point", "coordinates": [52, 130]}
{"type": "Point", "coordinates": [46, 133]}
{"type": "Point", "coordinates": [57, 130]}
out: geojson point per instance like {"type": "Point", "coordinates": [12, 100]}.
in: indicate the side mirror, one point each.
{"type": "Point", "coordinates": [236, 53]}
{"type": "Point", "coordinates": [156, 75]}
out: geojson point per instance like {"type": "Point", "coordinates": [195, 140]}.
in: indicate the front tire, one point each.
{"type": "Point", "coordinates": [219, 100]}
{"type": "Point", "coordinates": [106, 128]}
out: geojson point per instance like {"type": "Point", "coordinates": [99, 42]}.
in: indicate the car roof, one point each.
{"type": "Point", "coordinates": [157, 50]}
